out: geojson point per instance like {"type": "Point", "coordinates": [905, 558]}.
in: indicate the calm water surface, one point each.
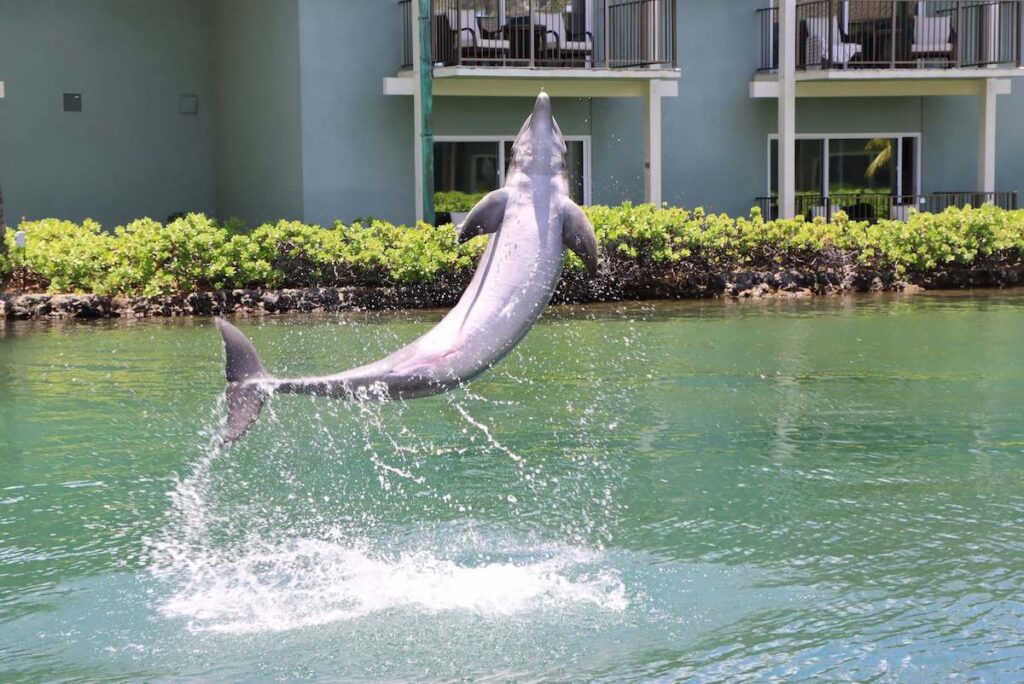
{"type": "Point", "coordinates": [825, 489]}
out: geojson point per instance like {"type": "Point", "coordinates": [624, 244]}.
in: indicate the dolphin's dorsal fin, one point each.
{"type": "Point", "coordinates": [485, 217]}
{"type": "Point", "coordinates": [578, 235]}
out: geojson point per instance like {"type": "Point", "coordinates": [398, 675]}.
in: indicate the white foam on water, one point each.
{"type": "Point", "coordinates": [313, 574]}
{"type": "Point", "coordinates": [308, 582]}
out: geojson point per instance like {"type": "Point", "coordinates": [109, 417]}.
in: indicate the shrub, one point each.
{"type": "Point", "coordinates": [68, 257]}
{"type": "Point", "coordinates": [195, 253]}
{"type": "Point", "coordinates": [456, 201]}
{"type": "Point", "coordinates": [185, 255]}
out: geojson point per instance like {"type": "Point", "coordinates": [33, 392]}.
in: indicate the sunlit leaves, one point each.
{"type": "Point", "coordinates": [196, 253]}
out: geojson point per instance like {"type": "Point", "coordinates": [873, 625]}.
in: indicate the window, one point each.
{"type": "Point", "coordinates": [466, 166]}
{"type": "Point", "coordinates": [857, 165]}
{"type": "Point", "coordinates": [479, 165]}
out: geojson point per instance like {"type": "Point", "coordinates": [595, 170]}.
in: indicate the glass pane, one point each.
{"type": "Point", "coordinates": [859, 166]}
{"type": "Point", "coordinates": [909, 170]}
{"type": "Point", "coordinates": [465, 166]}
{"type": "Point", "coordinates": [573, 164]}
{"type": "Point", "coordinates": [809, 154]}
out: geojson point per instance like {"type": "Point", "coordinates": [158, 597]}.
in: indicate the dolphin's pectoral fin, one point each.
{"type": "Point", "coordinates": [485, 217]}
{"type": "Point", "coordinates": [578, 235]}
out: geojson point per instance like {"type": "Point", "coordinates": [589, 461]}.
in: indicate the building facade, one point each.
{"type": "Point", "coordinates": [314, 109]}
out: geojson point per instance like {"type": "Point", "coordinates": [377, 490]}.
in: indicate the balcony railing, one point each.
{"type": "Point", "coordinates": [872, 207]}
{"type": "Point", "coordinates": [898, 34]}
{"type": "Point", "coordinates": [531, 34]}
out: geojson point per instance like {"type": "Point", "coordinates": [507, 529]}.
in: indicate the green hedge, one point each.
{"type": "Point", "coordinates": [196, 253]}
{"type": "Point", "coordinates": [456, 201]}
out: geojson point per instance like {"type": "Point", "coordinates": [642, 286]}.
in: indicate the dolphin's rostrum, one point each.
{"type": "Point", "coordinates": [532, 220]}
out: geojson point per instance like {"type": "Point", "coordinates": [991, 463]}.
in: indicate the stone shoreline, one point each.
{"type": "Point", "coordinates": [671, 284]}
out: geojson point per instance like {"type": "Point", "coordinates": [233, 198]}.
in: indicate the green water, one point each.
{"type": "Point", "coordinates": [827, 489]}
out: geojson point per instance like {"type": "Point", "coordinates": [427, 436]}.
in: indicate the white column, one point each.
{"type": "Point", "coordinates": [652, 144]}
{"type": "Point", "coordinates": [987, 136]}
{"type": "Point", "coordinates": [417, 110]}
{"type": "Point", "coordinates": [787, 108]}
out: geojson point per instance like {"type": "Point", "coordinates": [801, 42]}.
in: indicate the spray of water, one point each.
{"type": "Point", "coordinates": [334, 511]}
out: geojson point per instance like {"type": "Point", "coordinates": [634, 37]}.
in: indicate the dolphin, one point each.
{"type": "Point", "coordinates": [531, 220]}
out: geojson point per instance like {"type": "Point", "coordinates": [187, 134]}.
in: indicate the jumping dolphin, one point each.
{"type": "Point", "coordinates": [532, 221]}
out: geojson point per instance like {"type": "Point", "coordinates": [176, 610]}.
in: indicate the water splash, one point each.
{"type": "Point", "coordinates": [306, 582]}
{"type": "Point", "coordinates": [334, 511]}
{"type": "Point", "coordinates": [252, 546]}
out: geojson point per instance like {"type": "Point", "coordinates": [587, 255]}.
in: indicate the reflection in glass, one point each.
{"type": "Point", "coordinates": [466, 166]}
{"type": "Point", "coordinates": [809, 178]}
{"type": "Point", "coordinates": [858, 166]}
{"type": "Point", "coordinates": [573, 164]}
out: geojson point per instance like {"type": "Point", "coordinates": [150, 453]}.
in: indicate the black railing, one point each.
{"type": "Point", "coordinates": [642, 33]}
{"type": "Point", "coordinates": [898, 34]}
{"type": "Point", "coordinates": [768, 28]}
{"type": "Point", "coordinates": [405, 9]}
{"type": "Point", "coordinates": [536, 33]}
{"type": "Point", "coordinates": [872, 207]}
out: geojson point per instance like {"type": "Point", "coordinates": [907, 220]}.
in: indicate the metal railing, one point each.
{"type": "Point", "coordinates": [530, 34]}
{"type": "Point", "coordinates": [405, 9]}
{"type": "Point", "coordinates": [898, 34]}
{"type": "Point", "coordinates": [872, 207]}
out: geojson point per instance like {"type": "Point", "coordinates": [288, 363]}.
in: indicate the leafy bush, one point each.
{"type": "Point", "coordinates": [195, 253]}
{"type": "Point", "coordinates": [69, 256]}
{"type": "Point", "coordinates": [456, 201]}
{"type": "Point", "coordinates": [185, 255]}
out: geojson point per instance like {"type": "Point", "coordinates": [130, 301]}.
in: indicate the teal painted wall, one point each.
{"type": "Point", "coordinates": [357, 142]}
{"type": "Point", "coordinates": [1010, 152]}
{"type": "Point", "coordinates": [129, 153]}
{"type": "Point", "coordinates": [293, 122]}
{"type": "Point", "coordinates": [258, 110]}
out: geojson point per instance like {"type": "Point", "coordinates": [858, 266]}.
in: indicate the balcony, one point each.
{"type": "Point", "coordinates": [621, 35]}
{"type": "Point", "coordinates": [872, 207]}
{"type": "Point", "coordinates": [853, 37]}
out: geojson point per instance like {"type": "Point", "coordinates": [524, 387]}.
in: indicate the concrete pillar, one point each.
{"type": "Point", "coordinates": [987, 136]}
{"type": "Point", "coordinates": [787, 108]}
{"type": "Point", "coordinates": [417, 107]}
{"type": "Point", "coordinates": [652, 144]}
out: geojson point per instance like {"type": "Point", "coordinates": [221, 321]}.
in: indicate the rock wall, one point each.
{"type": "Point", "coordinates": [613, 284]}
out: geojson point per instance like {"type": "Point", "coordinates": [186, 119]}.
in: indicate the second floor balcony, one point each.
{"type": "Point", "coordinates": [918, 35]}
{"type": "Point", "coordinates": [548, 34]}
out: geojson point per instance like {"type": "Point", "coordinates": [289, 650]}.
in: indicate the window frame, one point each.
{"type": "Point", "coordinates": [827, 137]}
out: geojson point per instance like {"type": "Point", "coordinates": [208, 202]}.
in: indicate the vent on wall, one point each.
{"type": "Point", "coordinates": [188, 104]}
{"type": "Point", "coordinates": [72, 102]}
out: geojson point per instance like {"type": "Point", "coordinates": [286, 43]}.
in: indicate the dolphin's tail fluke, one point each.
{"type": "Point", "coordinates": [245, 394]}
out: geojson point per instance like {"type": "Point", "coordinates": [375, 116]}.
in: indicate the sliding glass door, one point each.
{"type": "Point", "coordinates": [574, 164]}
{"type": "Point", "coordinates": [863, 174]}
{"type": "Point", "coordinates": [475, 166]}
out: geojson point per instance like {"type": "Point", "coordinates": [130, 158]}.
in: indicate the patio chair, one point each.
{"type": "Point", "coordinates": [933, 37]}
{"type": "Point", "coordinates": [558, 39]}
{"type": "Point", "coordinates": [820, 52]}
{"type": "Point", "coordinates": [467, 39]}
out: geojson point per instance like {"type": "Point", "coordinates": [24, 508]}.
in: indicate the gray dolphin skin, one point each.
{"type": "Point", "coordinates": [532, 221]}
